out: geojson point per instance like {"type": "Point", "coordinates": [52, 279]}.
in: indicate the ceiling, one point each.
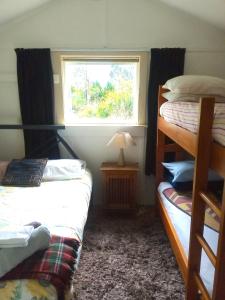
{"type": "Point", "coordinates": [10, 9]}
{"type": "Point", "coordinates": [212, 11]}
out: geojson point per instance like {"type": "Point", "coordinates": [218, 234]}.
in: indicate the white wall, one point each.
{"type": "Point", "coordinates": [103, 24]}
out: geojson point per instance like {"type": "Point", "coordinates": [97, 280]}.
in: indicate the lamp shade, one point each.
{"type": "Point", "coordinates": [122, 140]}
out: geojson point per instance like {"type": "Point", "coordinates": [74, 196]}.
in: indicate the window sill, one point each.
{"type": "Point", "coordinates": [102, 129]}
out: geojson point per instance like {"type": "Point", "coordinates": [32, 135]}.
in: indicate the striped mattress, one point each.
{"type": "Point", "coordinates": [186, 115]}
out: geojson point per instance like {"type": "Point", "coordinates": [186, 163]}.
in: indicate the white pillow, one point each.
{"type": "Point", "coordinates": [177, 97]}
{"type": "Point", "coordinates": [196, 84]}
{"type": "Point", "coordinates": [3, 167]}
{"type": "Point", "coordinates": [64, 169]}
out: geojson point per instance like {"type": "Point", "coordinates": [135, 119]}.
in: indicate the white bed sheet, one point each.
{"type": "Point", "coordinates": [182, 222]}
{"type": "Point", "coordinates": [62, 206]}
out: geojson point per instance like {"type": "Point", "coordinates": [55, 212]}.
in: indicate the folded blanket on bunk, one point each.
{"type": "Point", "coordinates": [55, 265]}
{"type": "Point", "coordinates": [15, 236]}
{"type": "Point", "coordinates": [183, 201]}
{"type": "Point", "coordinates": [11, 257]}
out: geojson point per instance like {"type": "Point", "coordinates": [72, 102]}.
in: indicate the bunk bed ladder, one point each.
{"type": "Point", "coordinates": [201, 198]}
{"type": "Point", "coordinates": [219, 279]}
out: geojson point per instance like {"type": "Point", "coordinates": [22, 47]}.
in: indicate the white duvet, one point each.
{"type": "Point", "coordinates": [61, 206]}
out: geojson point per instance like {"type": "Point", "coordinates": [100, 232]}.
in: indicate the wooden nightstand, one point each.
{"type": "Point", "coordinates": [119, 186]}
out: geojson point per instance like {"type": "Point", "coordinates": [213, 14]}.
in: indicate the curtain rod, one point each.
{"type": "Point", "coordinates": [32, 127]}
{"type": "Point", "coordinates": [134, 50]}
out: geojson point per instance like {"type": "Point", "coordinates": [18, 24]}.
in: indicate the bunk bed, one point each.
{"type": "Point", "coordinates": [191, 251]}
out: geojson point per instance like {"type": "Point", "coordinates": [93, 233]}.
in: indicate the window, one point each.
{"type": "Point", "coordinates": [103, 89]}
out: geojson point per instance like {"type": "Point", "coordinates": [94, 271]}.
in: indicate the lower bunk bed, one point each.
{"type": "Point", "coordinates": [175, 206]}
{"type": "Point", "coordinates": [62, 207]}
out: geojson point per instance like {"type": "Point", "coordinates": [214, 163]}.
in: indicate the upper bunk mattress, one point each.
{"type": "Point", "coordinates": [186, 115]}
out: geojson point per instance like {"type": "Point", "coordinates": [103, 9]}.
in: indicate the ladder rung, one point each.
{"type": "Point", "coordinates": [202, 287]}
{"type": "Point", "coordinates": [211, 201]}
{"type": "Point", "coordinates": [206, 248]}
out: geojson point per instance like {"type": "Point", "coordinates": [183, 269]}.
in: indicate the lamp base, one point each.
{"type": "Point", "coordinates": [121, 161]}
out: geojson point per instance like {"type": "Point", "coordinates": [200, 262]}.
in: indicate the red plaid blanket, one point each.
{"type": "Point", "coordinates": [55, 264]}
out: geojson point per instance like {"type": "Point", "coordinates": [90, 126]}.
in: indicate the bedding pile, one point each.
{"type": "Point", "coordinates": [182, 107]}
{"type": "Point", "coordinates": [191, 88]}
{"type": "Point", "coordinates": [55, 265]}
{"type": "Point", "coordinates": [15, 236]}
{"type": "Point", "coordinates": [31, 172]}
{"type": "Point", "coordinates": [10, 257]}
{"type": "Point", "coordinates": [180, 175]}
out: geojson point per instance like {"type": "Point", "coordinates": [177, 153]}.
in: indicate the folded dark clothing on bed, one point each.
{"type": "Point", "coordinates": [55, 265]}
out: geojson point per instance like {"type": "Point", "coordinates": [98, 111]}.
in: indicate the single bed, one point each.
{"type": "Point", "coordinates": [62, 206]}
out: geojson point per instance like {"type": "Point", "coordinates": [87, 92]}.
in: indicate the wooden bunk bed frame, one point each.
{"type": "Point", "coordinates": [207, 154]}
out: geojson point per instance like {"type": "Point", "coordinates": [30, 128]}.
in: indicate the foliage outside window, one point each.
{"type": "Point", "coordinates": [101, 91]}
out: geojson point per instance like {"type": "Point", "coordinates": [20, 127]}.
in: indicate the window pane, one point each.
{"type": "Point", "coordinates": [100, 91]}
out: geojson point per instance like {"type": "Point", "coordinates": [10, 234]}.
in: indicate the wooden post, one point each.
{"type": "Point", "coordinates": [200, 184]}
{"type": "Point", "coordinates": [160, 151]}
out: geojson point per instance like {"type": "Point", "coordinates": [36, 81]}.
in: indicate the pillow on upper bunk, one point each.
{"type": "Point", "coordinates": [196, 84]}
{"type": "Point", "coordinates": [183, 171]}
{"type": "Point", "coordinates": [24, 172]}
{"type": "Point", "coordinates": [64, 169]}
{"type": "Point", "coordinates": [179, 97]}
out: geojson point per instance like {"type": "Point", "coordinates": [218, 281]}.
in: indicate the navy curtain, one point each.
{"type": "Point", "coordinates": [36, 94]}
{"type": "Point", "coordinates": [165, 63]}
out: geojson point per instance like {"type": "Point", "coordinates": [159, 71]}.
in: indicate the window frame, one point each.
{"type": "Point", "coordinates": [142, 56]}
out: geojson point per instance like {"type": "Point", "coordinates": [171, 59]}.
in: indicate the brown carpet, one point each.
{"type": "Point", "coordinates": [127, 259]}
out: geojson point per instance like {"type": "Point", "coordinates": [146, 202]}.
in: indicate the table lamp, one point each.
{"type": "Point", "coordinates": [121, 140]}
